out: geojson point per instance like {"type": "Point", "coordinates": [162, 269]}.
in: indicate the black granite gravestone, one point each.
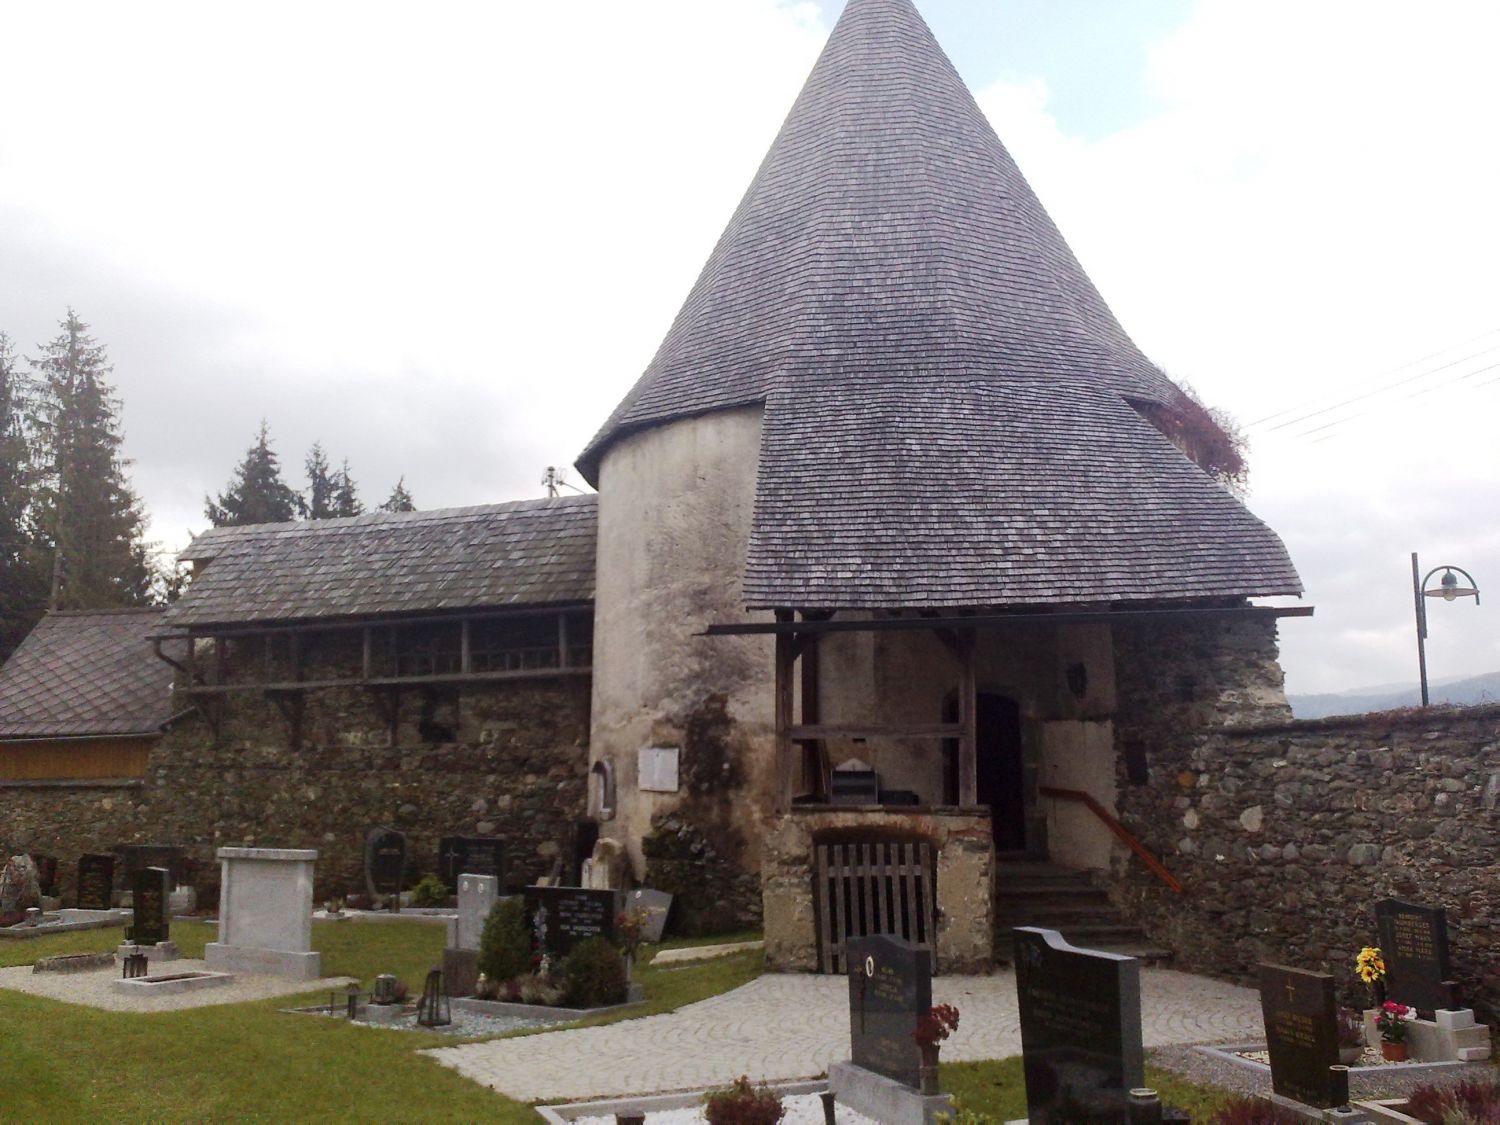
{"type": "Point", "coordinates": [385, 861]}
{"type": "Point", "coordinates": [1080, 1029]}
{"type": "Point", "coordinates": [890, 988]}
{"type": "Point", "coordinates": [561, 917]}
{"type": "Point", "coordinates": [1414, 939]}
{"type": "Point", "coordinates": [1301, 1021]}
{"type": "Point", "coordinates": [96, 881]}
{"type": "Point", "coordinates": [470, 855]}
{"type": "Point", "coordinates": [149, 892]}
{"type": "Point", "coordinates": [46, 873]}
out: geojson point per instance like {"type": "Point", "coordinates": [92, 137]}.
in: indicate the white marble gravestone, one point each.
{"type": "Point", "coordinates": [265, 913]}
{"type": "Point", "coordinates": [476, 898]}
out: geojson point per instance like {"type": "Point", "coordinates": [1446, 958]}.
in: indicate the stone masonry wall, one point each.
{"type": "Point", "coordinates": [508, 759]}
{"type": "Point", "coordinates": [1285, 834]}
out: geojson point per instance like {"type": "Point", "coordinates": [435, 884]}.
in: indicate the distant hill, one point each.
{"type": "Point", "coordinates": [1475, 689]}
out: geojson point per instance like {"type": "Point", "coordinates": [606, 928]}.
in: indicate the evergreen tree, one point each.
{"type": "Point", "coordinates": [321, 483]}
{"type": "Point", "coordinates": [256, 494]}
{"type": "Point", "coordinates": [400, 499]}
{"type": "Point", "coordinates": [85, 511]}
{"type": "Point", "coordinates": [23, 587]}
{"type": "Point", "coordinates": [345, 495]}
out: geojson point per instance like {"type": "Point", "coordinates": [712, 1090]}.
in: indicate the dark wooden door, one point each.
{"type": "Point", "coordinates": [1001, 781]}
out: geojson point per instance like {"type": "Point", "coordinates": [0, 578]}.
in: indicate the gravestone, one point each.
{"type": "Point", "coordinates": [657, 905]}
{"type": "Point", "coordinates": [1301, 1020]}
{"type": "Point", "coordinates": [385, 861]}
{"type": "Point", "coordinates": [138, 857]}
{"type": "Point", "coordinates": [46, 873]}
{"type": "Point", "coordinates": [265, 913]}
{"type": "Point", "coordinates": [561, 917]}
{"type": "Point", "coordinates": [149, 892]}
{"type": "Point", "coordinates": [1080, 1015]}
{"type": "Point", "coordinates": [477, 895]}
{"type": "Point", "coordinates": [890, 988]}
{"type": "Point", "coordinates": [470, 855]}
{"type": "Point", "coordinates": [96, 881]}
{"type": "Point", "coordinates": [1414, 940]}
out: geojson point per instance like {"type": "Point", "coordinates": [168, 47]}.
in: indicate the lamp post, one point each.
{"type": "Point", "coordinates": [1448, 589]}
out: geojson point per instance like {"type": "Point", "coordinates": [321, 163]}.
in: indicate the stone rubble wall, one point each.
{"type": "Point", "coordinates": [508, 759]}
{"type": "Point", "coordinates": [1286, 833]}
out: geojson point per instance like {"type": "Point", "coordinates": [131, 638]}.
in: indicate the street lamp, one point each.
{"type": "Point", "coordinates": [1448, 589]}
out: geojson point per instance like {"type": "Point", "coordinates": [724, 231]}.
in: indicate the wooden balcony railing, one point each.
{"type": "Point", "coordinates": [1082, 798]}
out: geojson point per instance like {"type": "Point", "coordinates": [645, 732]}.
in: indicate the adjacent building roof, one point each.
{"type": "Point", "coordinates": [894, 290]}
{"type": "Point", "coordinates": [497, 556]}
{"type": "Point", "coordinates": [82, 673]}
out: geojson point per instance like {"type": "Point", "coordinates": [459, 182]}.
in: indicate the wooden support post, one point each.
{"type": "Point", "coordinates": [786, 658]}
{"type": "Point", "coordinates": [968, 708]}
{"type": "Point", "coordinates": [366, 653]}
{"type": "Point", "coordinates": [463, 646]}
{"type": "Point", "coordinates": [562, 640]}
{"type": "Point", "coordinates": [812, 752]}
{"type": "Point", "coordinates": [294, 643]}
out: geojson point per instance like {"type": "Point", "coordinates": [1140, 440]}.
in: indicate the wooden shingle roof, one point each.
{"type": "Point", "coordinates": [890, 262]}
{"type": "Point", "coordinates": [496, 556]}
{"type": "Point", "coordinates": [82, 673]}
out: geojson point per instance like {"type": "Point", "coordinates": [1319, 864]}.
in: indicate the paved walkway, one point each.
{"type": "Point", "coordinates": [785, 1027]}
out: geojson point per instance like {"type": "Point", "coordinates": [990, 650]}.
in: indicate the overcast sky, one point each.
{"type": "Point", "coordinates": [445, 239]}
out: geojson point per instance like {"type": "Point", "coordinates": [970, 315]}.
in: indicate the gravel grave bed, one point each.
{"type": "Point", "coordinates": [467, 1025]}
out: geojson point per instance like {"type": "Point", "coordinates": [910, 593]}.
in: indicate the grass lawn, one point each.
{"type": "Point", "coordinates": [996, 1091]}
{"type": "Point", "coordinates": [251, 1062]}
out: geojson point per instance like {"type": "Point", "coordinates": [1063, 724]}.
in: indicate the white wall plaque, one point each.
{"type": "Point", "coordinates": [657, 769]}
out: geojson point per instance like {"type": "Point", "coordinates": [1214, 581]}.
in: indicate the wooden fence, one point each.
{"type": "Point", "coordinates": [873, 888]}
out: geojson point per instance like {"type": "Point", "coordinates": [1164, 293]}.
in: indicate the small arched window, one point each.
{"type": "Point", "coordinates": [602, 790]}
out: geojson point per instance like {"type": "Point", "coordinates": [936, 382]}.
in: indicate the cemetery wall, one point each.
{"type": "Point", "coordinates": [507, 759]}
{"type": "Point", "coordinates": [1286, 834]}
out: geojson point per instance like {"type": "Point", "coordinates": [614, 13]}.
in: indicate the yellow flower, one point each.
{"type": "Point", "coordinates": [1370, 964]}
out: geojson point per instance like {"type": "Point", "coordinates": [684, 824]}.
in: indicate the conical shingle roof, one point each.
{"type": "Point", "coordinates": [890, 252]}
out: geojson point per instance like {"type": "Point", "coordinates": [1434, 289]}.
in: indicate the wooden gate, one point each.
{"type": "Point", "coordinates": [885, 887]}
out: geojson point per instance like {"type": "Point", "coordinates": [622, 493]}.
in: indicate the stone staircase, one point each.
{"type": "Point", "coordinates": [1038, 893]}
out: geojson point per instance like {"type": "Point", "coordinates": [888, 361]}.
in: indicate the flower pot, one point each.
{"type": "Point", "coordinates": [1392, 1052]}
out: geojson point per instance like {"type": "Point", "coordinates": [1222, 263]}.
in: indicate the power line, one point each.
{"type": "Point", "coordinates": [1393, 371]}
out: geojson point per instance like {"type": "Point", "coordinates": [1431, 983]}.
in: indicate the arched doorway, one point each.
{"type": "Point", "coordinates": [1000, 767]}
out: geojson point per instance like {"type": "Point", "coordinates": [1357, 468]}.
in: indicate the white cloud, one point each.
{"type": "Point", "coordinates": [1313, 205]}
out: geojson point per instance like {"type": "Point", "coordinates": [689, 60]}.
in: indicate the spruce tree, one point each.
{"type": "Point", "coordinates": [85, 512]}
{"type": "Point", "coordinates": [319, 503]}
{"type": "Point", "coordinates": [256, 494]}
{"type": "Point", "coordinates": [23, 588]}
{"type": "Point", "coordinates": [345, 495]}
{"type": "Point", "coordinates": [400, 499]}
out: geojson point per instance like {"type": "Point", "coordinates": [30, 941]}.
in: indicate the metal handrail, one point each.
{"type": "Point", "coordinates": [1118, 829]}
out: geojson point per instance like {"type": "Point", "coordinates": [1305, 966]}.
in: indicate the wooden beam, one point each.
{"type": "Point", "coordinates": [786, 658]}
{"type": "Point", "coordinates": [465, 664]}
{"type": "Point", "coordinates": [968, 743]}
{"type": "Point", "coordinates": [562, 640]}
{"type": "Point", "coordinates": [812, 750]}
{"type": "Point", "coordinates": [998, 620]}
{"type": "Point", "coordinates": [814, 732]}
{"type": "Point", "coordinates": [367, 654]}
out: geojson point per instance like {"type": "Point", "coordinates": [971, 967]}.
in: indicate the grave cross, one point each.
{"type": "Point", "coordinates": [1291, 992]}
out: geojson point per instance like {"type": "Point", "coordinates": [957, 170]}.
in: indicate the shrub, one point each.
{"type": "Point", "coordinates": [1461, 1103]}
{"type": "Point", "coordinates": [1255, 1111]}
{"type": "Point", "coordinates": [429, 891]}
{"type": "Point", "coordinates": [594, 974]}
{"type": "Point", "coordinates": [740, 1103]}
{"type": "Point", "coordinates": [505, 944]}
